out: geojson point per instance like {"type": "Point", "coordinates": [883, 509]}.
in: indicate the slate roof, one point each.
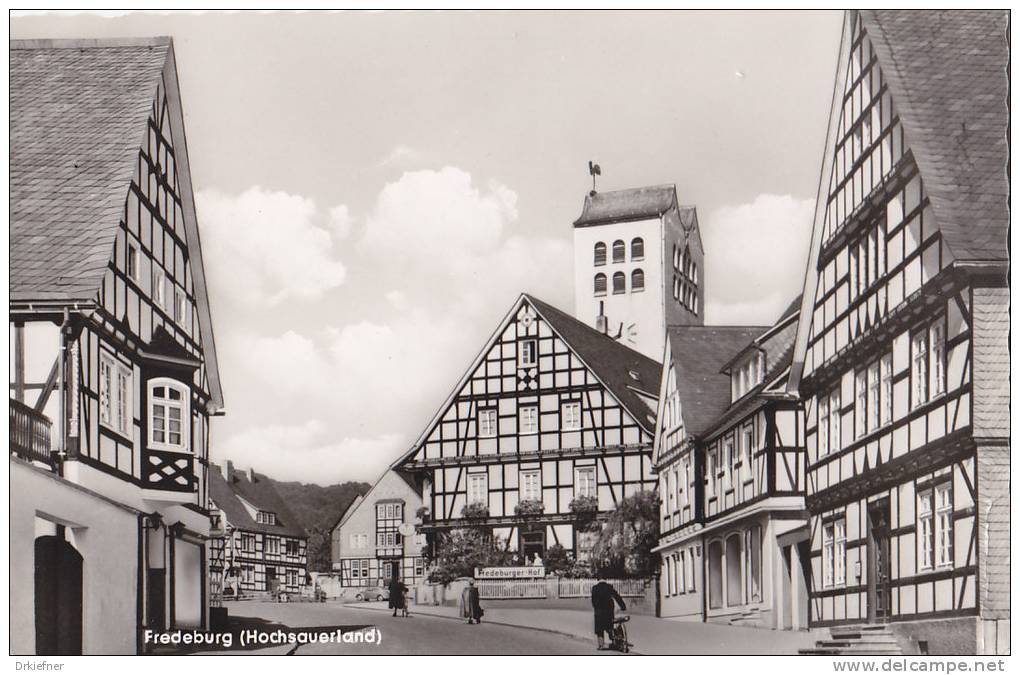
{"type": "Point", "coordinates": [699, 354]}
{"type": "Point", "coordinates": [78, 118]}
{"type": "Point", "coordinates": [259, 494]}
{"type": "Point", "coordinates": [947, 73]}
{"type": "Point", "coordinates": [611, 361]}
{"type": "Point", "coordinates": [631, 204]}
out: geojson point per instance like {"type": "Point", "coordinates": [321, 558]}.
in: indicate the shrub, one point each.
{"type": "Point", "coordinates": [557, 559]}
{"type": "Point", "coordinates": [529, 507]}
{"type": "Point", "coordinates": [461, 551]}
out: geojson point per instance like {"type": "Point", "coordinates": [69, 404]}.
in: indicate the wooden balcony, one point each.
{"type": "Point", "coordinates": [30, 434]}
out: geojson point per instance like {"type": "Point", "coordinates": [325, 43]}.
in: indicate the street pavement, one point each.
{"type": "Point", "coordinates": [647, 634]}
{"type": "Point", "coordinates": [418, 634]}
{"type": "Point", "coordinates": [506, 629]}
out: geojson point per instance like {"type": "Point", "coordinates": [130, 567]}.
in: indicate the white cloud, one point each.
{"type": "Point", "coordinates": [400, 155]}
{"type": "Point", "coordinates": [266, 247]}
{"type": "Point", "coordinates": [756, 256]}
{"type": "Point", "coordinates": [310, 452]}
{"type": "Point", "coordinates": [445, 272]}
{"type": "Point", "coordinates": [340, 222]}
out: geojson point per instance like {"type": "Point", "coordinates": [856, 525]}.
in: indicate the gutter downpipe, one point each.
{"type": "Point", "coordinates": [62, 386]}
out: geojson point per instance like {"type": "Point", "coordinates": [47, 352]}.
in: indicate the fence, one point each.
{"type": "Point", "coordinates": [30, 433]}
{"type": "Point", "coordinates": [581, 588]}
{"type": "Point", "coordinates": [508, 589]}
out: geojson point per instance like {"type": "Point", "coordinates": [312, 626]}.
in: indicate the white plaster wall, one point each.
{"type": "Point", "coordinates": [362, 521]}
{"type": "Point", "coordinates": [107, 538]}
{"type": "Point", "coordinates": [645, 309]}
{"type": "Point", "coordinates": [187, 586]}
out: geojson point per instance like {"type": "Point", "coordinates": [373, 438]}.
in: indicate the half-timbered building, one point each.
{"type": "Point", "coordinates": [729, 453]}
{"type": "Point", "coordinates": [550, 411]}
{"type": "Point", "coordinates": [264, 547]}
{"type": "Point", "coordinates": [375, 539]}
{"type": "Point", "coordinates": [902, 358]}
{"type": "Point", "coordinates": [114, 375]}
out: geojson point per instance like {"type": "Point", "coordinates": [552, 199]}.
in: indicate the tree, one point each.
{"type": "Point", "coordinates": [624, 547]}
{"type": "Point", "coordinates": [461, 550]}
{"type": "Point", "coordinates": [318, 550]}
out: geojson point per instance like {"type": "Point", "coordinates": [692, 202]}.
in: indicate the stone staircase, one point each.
{"type": "Point", "coordinates": [861, 640]}
{"type": "Point", "coordinates": [750, 618]}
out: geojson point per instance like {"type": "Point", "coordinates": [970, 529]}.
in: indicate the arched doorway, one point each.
{"type": "Point", "coordinates": [58, 597]}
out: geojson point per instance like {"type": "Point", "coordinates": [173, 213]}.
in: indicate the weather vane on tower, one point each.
{"type": "Point", "coordinates": [594, 170]}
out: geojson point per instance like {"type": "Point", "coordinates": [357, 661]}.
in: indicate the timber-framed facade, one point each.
{"type": "Point", "coordinates": [550, 410]}
{"type": "Point", "coordinates": [114, 297]}
{"type": "Point", "coordinates": [729, 452]}
{"type": "Point", "coordinates": [901, 355]}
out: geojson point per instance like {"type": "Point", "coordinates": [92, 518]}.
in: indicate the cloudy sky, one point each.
{"type": "Point", "coordinates": [375, 189]}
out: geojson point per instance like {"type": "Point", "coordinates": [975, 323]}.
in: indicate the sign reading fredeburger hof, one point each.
{"type": "Point", "coordinates": [527, 572]}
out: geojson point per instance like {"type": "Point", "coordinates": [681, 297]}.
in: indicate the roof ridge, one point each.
{"type": "Point", "coordinates": [91, 43]}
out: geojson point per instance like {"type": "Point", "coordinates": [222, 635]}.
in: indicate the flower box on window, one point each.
{"type": "Point", "coordinates": [587, 505]}
{"type": "Point", "coordinates": [475, 511]}
{"type": "Point", "coordinates": [529, 507]}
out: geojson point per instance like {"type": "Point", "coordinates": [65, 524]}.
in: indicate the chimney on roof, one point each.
{"type": "Point", "coordinates": [601, 322]}
{"type": "Point", "coordinates": [227, 469]}
{"type": "Point", "coordinates": [251, 474]}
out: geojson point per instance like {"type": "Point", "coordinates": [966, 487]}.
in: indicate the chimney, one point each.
{"type": "Point", "coordinates": [601, 322]}
{"type": "Point", "coordinates": [227, 469]}
{"type": "Point", "coordinates": [251, 474]}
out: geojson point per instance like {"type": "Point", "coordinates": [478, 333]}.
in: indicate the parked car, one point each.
{"type": "Point", "coordinates": [378, 594]}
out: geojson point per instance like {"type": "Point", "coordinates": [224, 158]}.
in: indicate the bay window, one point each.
{"type": "Point", "coordinates": [169, 412]}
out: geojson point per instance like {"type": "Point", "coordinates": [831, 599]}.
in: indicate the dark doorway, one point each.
{"type": "Point", "coordinates": [878, 561]}
{"type": "Point", "coordinates": [532, 544]}
{"type": "Point", "coordinates": [58, 597]}
{"type": "Point", "coordinates": [271, 583]}
{"type": "Point", "coordinates": [155, 594]}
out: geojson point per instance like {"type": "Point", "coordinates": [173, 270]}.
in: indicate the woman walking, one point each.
{"type": "Point", "coordinates": [470, 603]}
{"type": "Point", "coordinates": [397, 589]}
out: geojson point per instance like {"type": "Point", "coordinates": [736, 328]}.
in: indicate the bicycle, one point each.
{"type": "Point", "coordinates": [619, 634]}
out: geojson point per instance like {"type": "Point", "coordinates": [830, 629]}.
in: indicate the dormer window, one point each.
{"type": "Point", "coordinates": [748, 374]}
{"type": "Point", "coordinates": [169, 412]}
{"type": "Point", "coordinates": [266, 518]}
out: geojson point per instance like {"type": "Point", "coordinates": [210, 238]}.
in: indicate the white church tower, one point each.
{"type": "Point", "coordinates": [638, 266]}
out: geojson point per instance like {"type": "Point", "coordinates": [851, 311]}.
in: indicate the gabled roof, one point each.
{"type": "Point", "coordinates": [78, 118]}
{"type": "Point", "coordinates": [699, 354]}
{"type": "Point", "coordinates": [613, 363]}
{"type": "Point", "coordinates": [79, 114]}
{"type": "Point", "coordinates": [260, 494]}
{"type": "Point", "coordinates": [947, 74]}
{"type": "Point", "coordinates": [630, 204]}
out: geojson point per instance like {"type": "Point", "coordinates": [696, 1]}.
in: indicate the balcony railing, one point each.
{"type": "Point", "coordinates": [30, 433]}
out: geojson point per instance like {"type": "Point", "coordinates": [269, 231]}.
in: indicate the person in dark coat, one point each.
{"type": "Point", "coordinates": [471, 603]}
{"type": "Point", "coordinates": [603, 595]}
{"type": "Point", "coordinates": [397, 589]}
